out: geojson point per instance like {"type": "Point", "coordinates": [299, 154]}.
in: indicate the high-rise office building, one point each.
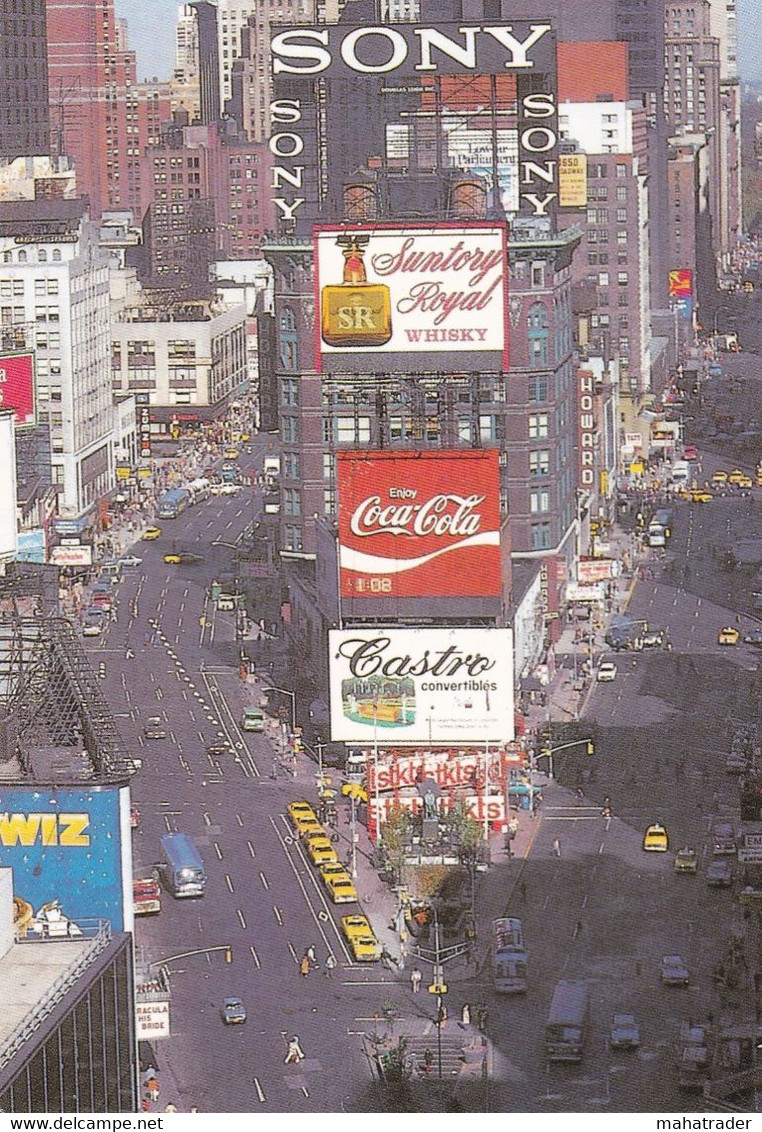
{"type": "Point", "coordinates": [24, 118]}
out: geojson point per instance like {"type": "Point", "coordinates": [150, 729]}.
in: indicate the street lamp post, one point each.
{"type": "Point", "coordinates": [292, 697]}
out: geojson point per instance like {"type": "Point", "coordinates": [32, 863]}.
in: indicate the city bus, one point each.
{"type": "Point", "coordinates": [566, 1027]}
{"type": "Point", "coordinates": [183, 868]}
{"type": "Point", "coordinates": [509, 957]}
{"type": "Point", "coordinates": [173, 503]}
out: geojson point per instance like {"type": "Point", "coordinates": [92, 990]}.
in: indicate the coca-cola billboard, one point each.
{"type": "Point", "coordinates": [17, 388]}
{"type": "Point", "coordinates": [402, 300]}
{"type": "Point", "coordinates": [419, 524]}
{"type": "Point", "coordinates": [421, 686]}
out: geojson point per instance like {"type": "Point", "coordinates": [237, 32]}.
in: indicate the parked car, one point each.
{"type": "Point", "coordinates": [92, 623]}
{"type": "Point", "coordinates": [253, 719]}
{"type": "Point", "coordinates": [674, 973]}
{"type": "Point", "coordinates": [361, 938]}
{"type": "Point", "coordinates": [754, 638]}
{"type": "Point", "coordinates": [690, 452]}
{"type": "Point", "coordinates": [624, 1033]}
{"type": "Point", "coordinates": [654, 638]}
{"type": "Point", "coordinates": [606, 672]}
{"type": "Point", "coordinates": [723, 840]}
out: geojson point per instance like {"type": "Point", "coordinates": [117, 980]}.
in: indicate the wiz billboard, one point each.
{"type": "Point", "coordinates": [386, 293]}
{"type": "Point", "coordinates": [419, 524]}
{"type": "Point", "coordinates": [70, 852]}
{"type": "Point", "coordinates": [421, 685]}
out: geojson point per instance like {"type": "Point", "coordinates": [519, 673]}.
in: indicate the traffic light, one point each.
{"type": "Point", "coordinates": [590, 747]}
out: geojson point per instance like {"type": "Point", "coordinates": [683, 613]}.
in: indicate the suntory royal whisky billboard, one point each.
{"type": "Point", "coordinates": [419, 524]}
{"type": "Point", "coordinates": [392, 686]}
{"type": "Point", "coordinates": [391, 298]}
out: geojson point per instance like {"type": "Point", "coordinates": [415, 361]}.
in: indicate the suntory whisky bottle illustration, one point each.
{"type": "Point", "coordinates": [355, 312]}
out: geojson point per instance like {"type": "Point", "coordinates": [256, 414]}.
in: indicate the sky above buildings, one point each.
{"type": "Point", "coordinates": [152, 30]}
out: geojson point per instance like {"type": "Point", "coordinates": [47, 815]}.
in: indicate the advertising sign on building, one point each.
{"type": "Point", "coordinates": [447, 769]}
{"type": "Point", "coordinates": [419, 524]}
{"type": "Point", "coordinates": [421, 685]}
{"type": "Point", "coordinates": [17, 388]}
{"type": "Point", "coordinates": [81, 555]}
{"type": "Point", "coordinates": [69, 848]}
{"type": "Point", "coordinates": [680, 291]}
{"type": "Point", "coordinates": [572, 180]}
{"type": "Point", "coordinates": [143, 414]}
{"type": "Point", "coordinates": [591, 570]}
{"type": "Point", "coordinates": [587, 429]}
{"type": "Point", "coordinates": [477, 807]}
{"type": "Point", "coordinates": [394, 300]}
{"type": "Point", "coordinates": [152, 1020]}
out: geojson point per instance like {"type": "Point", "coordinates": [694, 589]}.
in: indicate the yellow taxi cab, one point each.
{"type": "Point", "coordinates": [655, 839]}
{"type": "Point", "coordinates": [758, 479]}
{"type": "Point", "coordinates": [720, 476]}
{"type": "Point", "coordinates": [303, 819]}
{"type": "Point", "coordinates": [151, 533]}
{"type": "Point", "coordinates": [230, 453]}
{"type": "Point", "coordinates": [728, 636]}
{"type": "Point", "coordinates": [699, 495]}
{"type": "Point", "coordinates": [736, 475]}
{"type": "Point", "coordinates": [355, 790]}
{"type": "Point", "coordinates": [744, 481]}
{"type": "Point", "coordinates": [338, 882]}
{"type": "Point", "coordinates": [319, 848]}
{"type": "Point", "coordinates": [172, 559]}
{"type": "Point", "coordinates": [361, 938]}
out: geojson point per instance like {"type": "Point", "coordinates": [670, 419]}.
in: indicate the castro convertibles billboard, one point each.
{"type": "Point", "coordinates": [394, 299]}
{"type": "Point", "coordinates": [419, 524]}
{"type": "Point", "coordinates": [70, 851]}
{"type": "Point", "coordinates": [421, 685]}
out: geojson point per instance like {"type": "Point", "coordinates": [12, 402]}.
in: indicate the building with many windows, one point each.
{"type": "Point", "coordinates": [24, 117]}
{"type": "Point", "coordinates": [54, 295]}
{"type": "Point", "coordinates": [190, 358]}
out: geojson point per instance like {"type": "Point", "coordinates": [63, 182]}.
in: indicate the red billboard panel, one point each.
{"type": "Point", "coordinates": [419, 524]}
{"type": "Point", "coordinates": [681, 283]}
{"type": "Point", "coordinates": [17, 390]}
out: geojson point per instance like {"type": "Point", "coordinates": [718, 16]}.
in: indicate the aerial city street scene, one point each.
{"type": "Point", "coordinates": [380, 558]}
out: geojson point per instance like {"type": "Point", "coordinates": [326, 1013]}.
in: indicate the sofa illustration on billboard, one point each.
{"type": "Point", "coordinates": [378, 701]}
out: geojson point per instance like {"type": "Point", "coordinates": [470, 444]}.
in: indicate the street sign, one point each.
{"type": "Point", "coordinates": [753, 840]}
{"type": "Point", "coordinates": [750, 856]}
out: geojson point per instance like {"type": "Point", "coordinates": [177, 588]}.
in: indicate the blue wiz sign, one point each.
{"type": "Point", "coordinates": [69, 849]}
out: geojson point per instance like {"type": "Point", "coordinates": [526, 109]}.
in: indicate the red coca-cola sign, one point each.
{"type": "Point", "coordinates": [419, 524]}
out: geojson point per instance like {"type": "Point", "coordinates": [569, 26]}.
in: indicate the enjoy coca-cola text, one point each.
{"type": "Point", "coordinates": [441, 515]}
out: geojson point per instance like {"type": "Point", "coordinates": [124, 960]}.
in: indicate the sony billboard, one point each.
{"type": "Point", "coordinates": [419, 524]}
{"type": "Point", "coordinates": [421, 685]}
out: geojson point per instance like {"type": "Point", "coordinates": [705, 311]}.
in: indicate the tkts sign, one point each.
{"type": "Point", "coordinates": [419, 524]}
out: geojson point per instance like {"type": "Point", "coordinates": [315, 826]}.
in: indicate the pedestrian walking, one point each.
{"type": "Point", "coordinates": [312, 955]}
{"type": "Point", "coordinates": [294, 1053]}
{"type": "Point", "coordinates": [482, 1018]}
{"type": "Point", "coordinates": [557, 847]}
{"type": "Point", "coordinates": [152, 1088]}
{"type": "Point", "coordinates": [428, 1060]}
{"type": "Point", "coordinates": [465, 1014]}
{"type": "Point", "coordinates": [415, 979]}
{"type": "Point", "coordinates": [330, 966]}
{"type": "Point", "coordinates": [171, 1108]}
{"type": "Point", "coordinates": [304, 966]}
{"type": "Point", "coordinates": [523, 890]}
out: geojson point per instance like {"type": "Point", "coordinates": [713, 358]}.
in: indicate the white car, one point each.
{"type": "Point", "coordinates": [130, 560]}
{"type": "Point", "coordinates": [625, 1033]}
{"type": "Point", "coordinates": [92, 626]}
{"type": "Point", "coordinates": [229, 489]}
{"type": "Point", "coordinates": [606, 672]}
{"type": "Point", "coordinates": [674, 973]}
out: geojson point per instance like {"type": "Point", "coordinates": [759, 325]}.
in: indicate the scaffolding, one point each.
{"type": "Point", "coordinates": [55, 723]}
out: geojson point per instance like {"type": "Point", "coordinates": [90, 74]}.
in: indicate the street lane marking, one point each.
{"type": "Point", "coordinates": [241, 918]}
{"type": "Point", "coordinates": [293, 952]}
{"type": "Point", "coordinates": [263, 878]}
{"type": "Point", "coordinates": [239, 819]}
{"type": "Point", "coordinates": [207, 819]}
{"type": "Point", "coordinates": [254, 955]}
{"type": "Point", "coordinates": [217, 850]}
{"type": "Point", "coordinates": [251, 849]}
{"type": "Point", "coordinates": [258, 1087]}
{"type": "Point", "coordinates": [278, 915]}
{"type": "Point", "coordinates": [229, 882]}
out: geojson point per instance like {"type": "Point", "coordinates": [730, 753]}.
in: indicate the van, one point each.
{"type": "Point", "coordinates": [680, 472]}
{"type": "Point", "coordinates": [253, 719]}
{"type": "Point", "coordinates": [656, 536]}
{"type": "Point", "coordinates": [723, 840]}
